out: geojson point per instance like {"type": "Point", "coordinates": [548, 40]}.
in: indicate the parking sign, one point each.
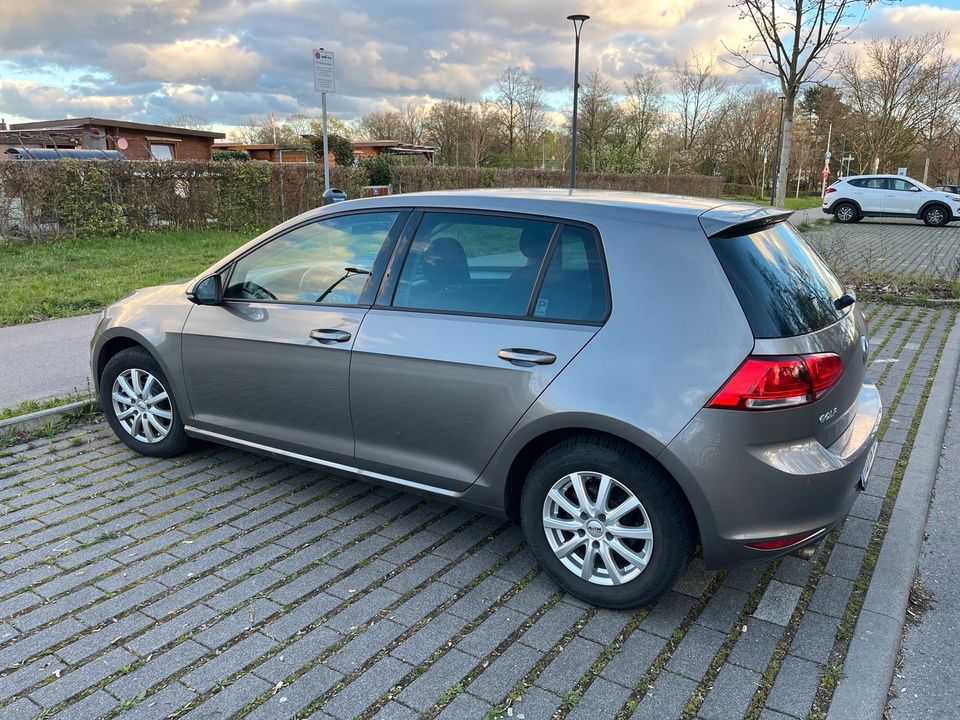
{"type": "Point", "coordinates": [323, 77]}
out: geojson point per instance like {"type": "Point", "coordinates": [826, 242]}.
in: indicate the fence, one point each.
{"type": "Point", "coordinates": [72, 198]}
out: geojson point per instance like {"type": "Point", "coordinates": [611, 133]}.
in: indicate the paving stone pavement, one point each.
{"type": "Point", "coordinates": [221, 584]}
{"type": "Point", "coordinates": [895, 248]}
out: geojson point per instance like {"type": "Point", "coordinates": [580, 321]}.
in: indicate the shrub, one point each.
{"type": "Point", "coordinates": [225, 155]}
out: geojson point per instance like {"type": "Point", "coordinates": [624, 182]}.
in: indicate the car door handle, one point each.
{"type": "Point", "coordinates": [525, 357]}
{"type": "Point", "coordinates": [330, 336]}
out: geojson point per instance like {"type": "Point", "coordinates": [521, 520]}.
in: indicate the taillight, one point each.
{"type": "Point", "coordinates": [771, 383]}
{"type": "Point", "coordinates": [830, 190]}
{"type": "Point", "coordinates": [782, 542]}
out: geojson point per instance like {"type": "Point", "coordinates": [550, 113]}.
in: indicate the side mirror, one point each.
{"type": "Point", "coordinates": [208, 291]}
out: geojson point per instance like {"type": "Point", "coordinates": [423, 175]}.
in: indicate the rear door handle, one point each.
{"type": "Point", "coordinates": [328, 337]}
{"type": "Point", "coordinates": [525, 357]}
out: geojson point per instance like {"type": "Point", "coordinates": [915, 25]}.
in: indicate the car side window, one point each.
{"type": "Point", "coordinates": [574, 286]}
{"type": "Point", "coordinates": [857, 183]}
{"type": "Point", "coordinates": [875, 184]}
{"type": "Point", "coordinates": [328, 261]}
{"type": "Point", "coordinates": [901, 185]}
{"type": "Point", "coordinates": [473, 263]}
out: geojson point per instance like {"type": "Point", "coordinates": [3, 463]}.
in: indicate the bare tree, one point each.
{"type": "Point", "coordinates": [793, 42]}
{"type": "Point", "coordinates": [482, 130]}
{"type": "Point", "coordinates": [510, 90]}
{"type": "Point", "coordinates": [898, 93]}
{"type": "Point", "coordinates": [699, 93]}
{"type": "Point", "coordinates": [190, 121]}
{"type": "Point", "coordinates": [643, 110]}
{"type": "Point", "coordinates": [411, 126]}
{"type": "Point", "coordinates": [598, 114]}
{"type": "Point", "coordinates": [380, 125]}
{"type": "Point", "coordinates": [445, 126]}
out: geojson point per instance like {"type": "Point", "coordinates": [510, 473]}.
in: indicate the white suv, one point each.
{"type": "Point", "coordinates": [853, 198]}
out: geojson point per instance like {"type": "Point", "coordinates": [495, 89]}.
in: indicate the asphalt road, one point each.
{"type": "Point", "coordinates": [931, 649]}
{"type": "Point", "coordinates": [45, 360]}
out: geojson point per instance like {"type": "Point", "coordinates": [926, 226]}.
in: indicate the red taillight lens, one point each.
{"type": "Point", "coordinates": [782, 542]}
{"type": "Point", "coordinates": [771, 383]}
{"type": "Point", "coordinates": [831, 189]}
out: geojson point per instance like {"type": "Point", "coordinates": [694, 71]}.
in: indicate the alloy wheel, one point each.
{"type": "Point", "coordinates": [597, 528]}
{"type": "Point", "coordinates": [142, 406]}
{"type": "Point", "coordinates": [845, 213]}
{"type": "Point", "coordinates": [935, 216]}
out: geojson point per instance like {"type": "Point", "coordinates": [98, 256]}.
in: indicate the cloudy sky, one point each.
{"type": "Point", "coordinates": [227, 60]}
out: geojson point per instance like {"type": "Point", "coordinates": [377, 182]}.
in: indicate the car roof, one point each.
{"type": "Point", "coordinates": [879, 175]}
{"type": "Point", "coordinates": [576, 204]}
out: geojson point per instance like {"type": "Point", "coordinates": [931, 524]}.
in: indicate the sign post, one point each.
{"type": "Point", "coordinates": [324, 82]}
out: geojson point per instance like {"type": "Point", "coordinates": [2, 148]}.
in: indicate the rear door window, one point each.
{"type": "Point", "coordinates": [473, 263]}
{"type": "Point", "coordinates": [574, 286]}
{"type": "Point", "coordinates": [784, 286]}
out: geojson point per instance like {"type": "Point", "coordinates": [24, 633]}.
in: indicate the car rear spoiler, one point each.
{"type": "Point", "coordinates": [740, 219]}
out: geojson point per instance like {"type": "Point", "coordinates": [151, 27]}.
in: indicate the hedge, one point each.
{"type": "Point", "coordinates": [74, 198]}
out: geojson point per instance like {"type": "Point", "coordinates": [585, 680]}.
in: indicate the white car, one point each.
{"type": "Point", "coordinates": [853, 198]}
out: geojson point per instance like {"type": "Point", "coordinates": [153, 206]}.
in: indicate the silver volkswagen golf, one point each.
{"type": "Point", "coordinates": [627, 376]}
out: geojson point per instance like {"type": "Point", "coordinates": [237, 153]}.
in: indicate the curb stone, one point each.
{"type": "Point", "coordinates": [44, 417]}
{"type": "Point", "coordinates": [869, 666]}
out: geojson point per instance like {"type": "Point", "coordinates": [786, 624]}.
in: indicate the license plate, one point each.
{"type": "Point", "coordinates": [865, 474]}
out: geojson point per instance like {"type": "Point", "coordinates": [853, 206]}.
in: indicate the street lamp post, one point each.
{"type": "Point", "coordinates": [578, 21]}
{"type": "Point", "coordinates": [776, 161]}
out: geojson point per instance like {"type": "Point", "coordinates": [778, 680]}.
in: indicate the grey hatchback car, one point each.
{"type": "Point", "coordinates": [627, 376]}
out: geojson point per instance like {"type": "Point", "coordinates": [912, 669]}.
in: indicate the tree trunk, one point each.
{"type": "Point", "coordinates": [783, 172]}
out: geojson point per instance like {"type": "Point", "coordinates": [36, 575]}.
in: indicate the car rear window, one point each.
{"type": "Point", "coordinates": [784, 286]}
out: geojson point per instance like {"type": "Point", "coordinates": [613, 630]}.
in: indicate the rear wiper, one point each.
{"type": "Point", "coordinates": [845, 300]}
{"type": "Point", "coordinates": [347, 273]}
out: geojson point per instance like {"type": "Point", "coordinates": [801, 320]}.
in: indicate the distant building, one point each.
{"type": "Point", "coordinates": [371, 148]}
{"type": "Point", "coordinates": [137, 141]}
{"type": "Point", "coordinates": [269, 152]}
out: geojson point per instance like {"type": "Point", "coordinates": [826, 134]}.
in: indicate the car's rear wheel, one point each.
{"type": "Point", "coordinates": [936, 215]}
{"type": "Point", "coordinates": [139, 404]}
{"type": "Point", "coordinates": [846, 213]}
{"type": "Point", "coordinates": [606, 522]}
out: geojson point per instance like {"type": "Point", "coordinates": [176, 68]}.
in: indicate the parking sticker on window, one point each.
{"type": "Point", "coordinates": [541, 308]}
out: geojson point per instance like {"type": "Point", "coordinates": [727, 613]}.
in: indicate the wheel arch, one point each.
{"type": "Point", "coordinates": [535, 447]}
{"type": "Point", "coordinates": [833, 208]}
{"type": "Point", "coordinates": [929, 203]}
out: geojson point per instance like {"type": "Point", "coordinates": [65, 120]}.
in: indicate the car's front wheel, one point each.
{"type": "Point", "coordinates": [936, 215]}
{"type": "Point", "coordinates": [139, 404]}
{"type": "Point", "coordinates": [606, 522]}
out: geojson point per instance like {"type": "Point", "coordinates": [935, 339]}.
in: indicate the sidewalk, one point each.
{"type": "Point", "coordinates": [44, 360]}
{"type": "Point", "coordinates": [931, 648]}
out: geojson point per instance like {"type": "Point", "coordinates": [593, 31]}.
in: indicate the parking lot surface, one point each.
{"type": "Point", "coordinates": [893, 248]}
{"type": "Point", "coordinates": [221, 584]}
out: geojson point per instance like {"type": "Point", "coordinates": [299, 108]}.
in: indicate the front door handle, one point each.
{"type": "Point", "coordinates": [525, 357]}
{"type": "Point", "coordinates": [328, 337]}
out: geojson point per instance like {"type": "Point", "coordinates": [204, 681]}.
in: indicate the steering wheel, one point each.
{"type": "Point", "coordinates": [256, 291]}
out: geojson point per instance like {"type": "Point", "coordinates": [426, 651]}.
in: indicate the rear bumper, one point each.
{"type": "Point", "coordinates": [745, 493]}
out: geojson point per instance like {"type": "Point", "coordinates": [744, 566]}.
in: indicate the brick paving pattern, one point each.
{"type": "Point", "coordinates": [222, 584]}
{"type": "Point", "coordinates": [903, 249]}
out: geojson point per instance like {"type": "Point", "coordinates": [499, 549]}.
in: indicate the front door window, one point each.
{"type": "Point", "coordinates": [326, 262]}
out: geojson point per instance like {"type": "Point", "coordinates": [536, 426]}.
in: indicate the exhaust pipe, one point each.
{"type": "Point", "coordinates": [806, 552]}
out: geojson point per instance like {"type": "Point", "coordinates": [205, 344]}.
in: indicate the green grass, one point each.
{"type": "Point", "coordinates": [793, 203]}
{"type": "Point", "coordinates": [74, 277]}
{"type": "Point", "coordinates": [31, 406]}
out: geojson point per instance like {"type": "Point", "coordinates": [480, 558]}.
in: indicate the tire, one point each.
{"type": "Point", "coordinates": [663, 510]}
{"type": "Point", "coordinates": [846, 212]}
{"type": "Point", "coordinates": [136, 366]}
{"type": "Point", "coordinates": [936, 215]}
